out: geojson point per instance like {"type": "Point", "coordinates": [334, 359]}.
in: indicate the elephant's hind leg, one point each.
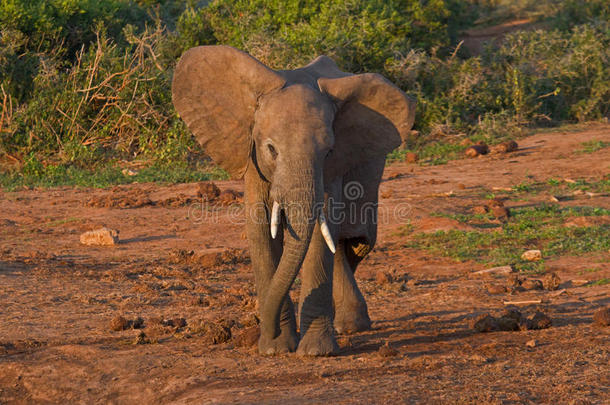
{"type": "Point", "coordinates": [351, 312]}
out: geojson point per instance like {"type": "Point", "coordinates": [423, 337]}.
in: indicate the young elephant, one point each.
{"type": "Point", "coordinates": [311, 145]}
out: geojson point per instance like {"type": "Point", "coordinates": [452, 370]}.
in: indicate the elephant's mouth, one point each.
{"type": "Point", "coordinates": [276, 216]}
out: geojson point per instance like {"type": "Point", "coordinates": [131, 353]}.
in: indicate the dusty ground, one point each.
{"type": "Point", "coordinates": [58, 297]}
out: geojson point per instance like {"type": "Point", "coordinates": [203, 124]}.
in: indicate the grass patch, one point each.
{"type": "Point", "coordinates": [527, 228]}
{"type": "Point", "coordinates": [602, 281]}
{"type": "Point", "coordinates": [61, 175]}
{"type": "Point", "coordinates": [593, 146]}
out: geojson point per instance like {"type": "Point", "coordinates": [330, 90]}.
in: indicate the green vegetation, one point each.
{"type": "Point", "coordinates": [528, 228]}
{"type": "Point", "coordinates": [594, 146]}
{"type": "Point", "coordinates": [85, 85]}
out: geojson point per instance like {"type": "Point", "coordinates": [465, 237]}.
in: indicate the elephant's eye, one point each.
{"type": "Point", "coordinates": [330, 153]}
{"type": "Point", "coordinates": [272, 151]}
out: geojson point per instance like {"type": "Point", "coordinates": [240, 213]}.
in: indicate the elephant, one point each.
{"type": "Point", "coordinates": [298, 138]}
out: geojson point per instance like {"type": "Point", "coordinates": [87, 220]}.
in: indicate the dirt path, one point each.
{"type": "Point", "coordinates": [179, 260]}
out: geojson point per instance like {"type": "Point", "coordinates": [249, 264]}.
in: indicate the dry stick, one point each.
{"type": "Point", "coordinates": [522, 302]}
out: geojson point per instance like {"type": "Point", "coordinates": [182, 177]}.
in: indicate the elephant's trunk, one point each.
{"type": "Point", "coordinates": [298, 197]}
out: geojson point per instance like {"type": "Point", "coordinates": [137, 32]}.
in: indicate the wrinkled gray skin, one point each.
{"type": "Point", "coordinates": [310, 139]}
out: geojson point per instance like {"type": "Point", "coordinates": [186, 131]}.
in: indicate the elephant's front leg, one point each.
{"type": "Point", "coordinates": [316, 301]}
{"type": "Point", "coordinates": [265, 254]}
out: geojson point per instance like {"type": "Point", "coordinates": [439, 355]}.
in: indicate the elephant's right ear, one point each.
{"type": "Point", "coordinates": [215, 90]}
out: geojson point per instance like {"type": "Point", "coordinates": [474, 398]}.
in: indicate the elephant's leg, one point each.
{"type": "Point", "coordinates": [315, 306]}
{"type": "Point", "coordinates": [265, 254]}
{"type": "Point", "coordinates": [351, 312]}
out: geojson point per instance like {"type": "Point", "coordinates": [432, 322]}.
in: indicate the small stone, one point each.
{"type": "Point", "coordinates": [531, 284]}
{"type": "Point", "coordinates": [532, 255]}
{"type": "Point", "coordinates": [101, 237]}
{"type": "Point", "coordinates": [411, 157]}
{"type": "Point", "coordinates": [118, 323]}
{"type": "Point", "coordinates": [496, 289]}
{"type": "Point", "coordinates": [531, 343]}
{"type": "Point", "coordinates": [383, 277]}
{"type": "Point", "coordinates": [602, 317]}
{"type": "Point", "coordinates": [551, 282]}
{"type": "Point", "coordinates": [387, 351]}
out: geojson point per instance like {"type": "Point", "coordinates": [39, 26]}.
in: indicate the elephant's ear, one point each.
{"type": "Point", "coordinates": [373, 116]}
{"type": "Point", "coordinates": [215, 90]}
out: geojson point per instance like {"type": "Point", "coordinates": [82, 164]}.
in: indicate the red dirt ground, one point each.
{"type": "Point", "coordinates": [58, 298]}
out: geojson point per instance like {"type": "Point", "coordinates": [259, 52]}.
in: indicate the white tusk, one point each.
{"type": "Point", "coordinates": [275, 219]}
{"type": "Point", "coordinates": [326, 233]}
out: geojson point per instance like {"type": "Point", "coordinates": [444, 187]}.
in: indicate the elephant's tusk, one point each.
{"type": "Point", "coordinates": [326, 233]}
{"type": "Point", "coordinates": [275, 219]}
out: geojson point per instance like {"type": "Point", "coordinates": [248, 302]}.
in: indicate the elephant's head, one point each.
{"type": "Point", "coordinates": [297, 130]}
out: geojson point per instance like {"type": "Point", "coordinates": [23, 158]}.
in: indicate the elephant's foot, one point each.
{"type": "Point", "coordinates": [318, 342]}
{"type": "Point", "coordinates": [352, 320]}
{"type": "Point", "coordinates": [286, 342]}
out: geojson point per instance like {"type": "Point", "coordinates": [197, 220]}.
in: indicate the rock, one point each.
{"type": "Point", "coordinates": [537, 321]}
{"type": "Point", "coordinates": [531, 343]}
{"type": "Point", "coordinates": [505, 147]}
{"type": "Point", "coordinates": [532, 255]}
{"type": "Point", "coordinates": [512, 313]}
{"type": "Point", "coordinates": [551, 282]}
{"type": "Point", "coordinates": [383, 277]}
{"type": "Point", "coordinates": [494, 270]}
{"type": "Point", "coordinates": [496, 289]}
{"type": "Point", "coordinates": [500, 212]}
{"type": "Point", "coordinates": [479, 210]}
{"type": "Point", "coordinates": [602, 317]}
{"type": "Point", "coordinates": [102, 237]}
{"type": "Point", "coordinates": [208, 191]}
{"type": "Point", "coordinates": [248, 337]}
{"type": "Point", "coordinates": [476, 150]}
{"type": "Point", "coordinates": [129, 172]}
{"type": "Point", "coordinates": [505, 323]}
{"type": "Point", "coordinates": [387, 351]}
{"type": "Point", "coordinates": [174, 323]}
{"type": "Point", "coordinates": [137, 323]}
{"type": "Point", "coordinates": [141, 339]}
{"type": "Point", "coordinates": [484, 323]}
{"type": "Point", "coordinates": [118, 323]}
{"type": "Point", "coordinates": [530, 284]}
{"type": "Point", "coordinates": [411, 157]}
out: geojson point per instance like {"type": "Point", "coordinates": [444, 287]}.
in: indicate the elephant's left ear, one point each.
{"type": "Point", "coordinates": [373, 116]}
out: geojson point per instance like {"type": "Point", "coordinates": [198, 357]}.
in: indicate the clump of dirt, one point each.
{"type": "Point", "coordinates": [383, 277]}
{"type": "Point", "coordinates": [134, 199]}
{"type": "Point", "coordinates": [214, 332]}
{"type": "Point", "coordinates": [179, 200]}
{"type": "Point", "coordinates": [601, 317]}
{"type": "Point", "coordinates": [387, 350]}
{"type": "Point", "coordinates": [511, 320]}
{"type": "Point", "coordinates": [411, 157]}
{"type": "Point", "coordinates": [537, 321]}
{"type": "Point", "coordinates": [248, 337]}
{"type": "Point", "coordinates": [496, 289]}
{"type": "Point", "coordinates": [551, 282]}
{"type": "Point", "coordinates": [208, 191]}
{"type": "Point", "coordinates": [230, 197]}
{"type": "Point", "coordinates": [505, 147]}
{"type": "Point", "coordinates": [531, 284]}
{"type": "Point", "coordinates": [477, 150]}
{"type": "Point", "coordinates": [119, 323]}
{"type": "Point", "coordinates": [141, 339]}
{"type": "Point", "coordinates": [209, 259]}
{"type": "Point", "coordinates": [176, 323]}
{"type": "Point", "coordinates": [100, 237]}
